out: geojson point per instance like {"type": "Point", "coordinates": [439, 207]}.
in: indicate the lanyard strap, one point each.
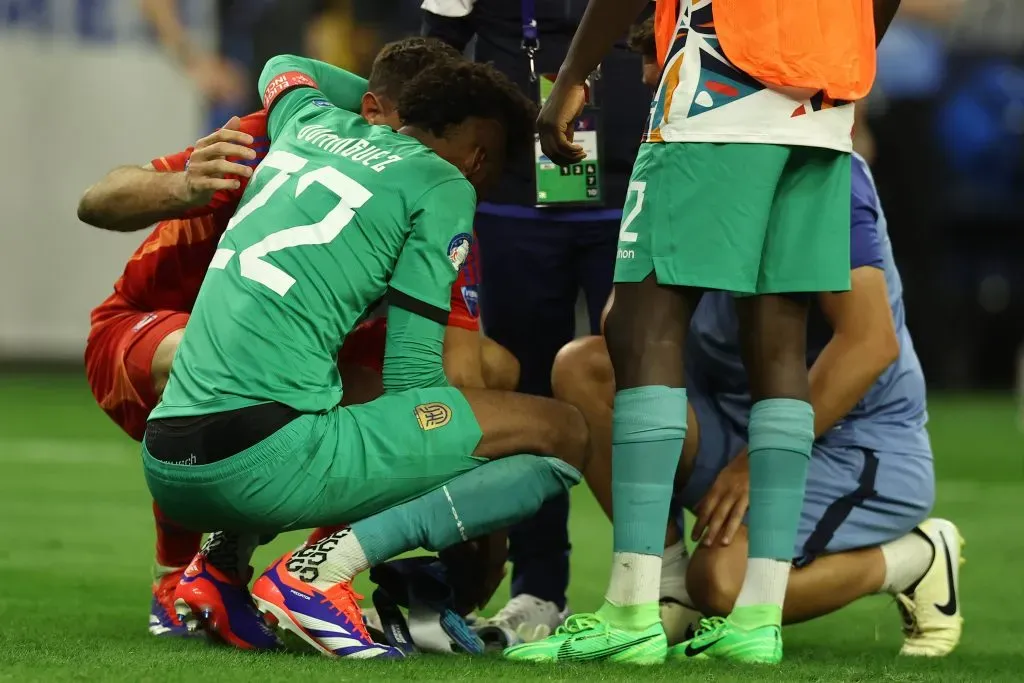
{"type": "Point", "coordinates": [531, 41]}
{"type": "Point", "coordinates": [529, 16]}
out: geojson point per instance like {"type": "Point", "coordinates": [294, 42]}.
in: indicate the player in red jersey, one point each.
{"type": "Point", "coordinates": [136, 330]}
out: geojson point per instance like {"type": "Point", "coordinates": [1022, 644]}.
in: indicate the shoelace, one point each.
{"type": "Point", "coordinates": [709, 624]}
{"type": "Point", "coordinates": [907, 607]}
{"type": "Point", "coordinates": [908, 613]}
{"type": "Point", "coordinates": [516, 611]}
{"type": "Point", "coordinates": [581, 622]}
{"type": "Point", "coordinates": [344, 591]}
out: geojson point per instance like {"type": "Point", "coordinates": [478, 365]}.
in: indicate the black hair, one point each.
{"type": "Point", "coordinates": [447, 94]}
{"type": "Point", "coordinates": [641, 39]}
{"type": "Point", "coordinates": [400, 61]}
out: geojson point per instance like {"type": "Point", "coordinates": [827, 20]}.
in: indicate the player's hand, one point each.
{"type": "Point", "coordinates": [213, 159]}
{"type": "Point", "coordinates": [556, 123]}
{"type": "Point", "coordinates": [720, 512]}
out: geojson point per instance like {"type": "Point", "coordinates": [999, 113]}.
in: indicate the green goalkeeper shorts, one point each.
{"type": "Point", "coordinates": [326, 468]}
{"type": "Point", "coordinates": [745, 218]}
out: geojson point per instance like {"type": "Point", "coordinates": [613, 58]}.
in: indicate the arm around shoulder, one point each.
{"type": "Point", "coordinates": [131, 198]}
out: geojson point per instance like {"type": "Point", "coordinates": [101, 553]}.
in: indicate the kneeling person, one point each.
{"type": "Point", "coordinates": [870, 486]}
{"type": "Point", "coordinates": [249, 436]}
{"type": "Point", "coordinates": [135, 332]}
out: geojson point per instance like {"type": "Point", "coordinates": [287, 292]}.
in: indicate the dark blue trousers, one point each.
{"type": "Point", "coordinates": [532, 272]}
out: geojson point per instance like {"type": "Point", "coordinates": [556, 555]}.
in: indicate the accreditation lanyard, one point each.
{"type": "Point", "coordinates": [563, 186]}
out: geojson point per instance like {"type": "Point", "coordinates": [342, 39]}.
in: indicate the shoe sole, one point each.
{"type": "Point", "coordinates": [192, 622]}
{"type": "Point", "coordinates": [158, 630]}
{"type": "Point", "coordinates": [200, 622]}
{"type": "Point", "coordinates": [282, 620]}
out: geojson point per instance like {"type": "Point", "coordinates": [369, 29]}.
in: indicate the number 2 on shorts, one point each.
{"type": "Point", "coordinates": [351, 195]}
{"type": "Point", "coordinates": [639, 187]}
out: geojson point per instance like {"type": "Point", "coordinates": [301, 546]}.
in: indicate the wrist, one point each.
{"type": "Point", "coordinates": [180, 189]}
{"type": "Point", "coordinates": [571, 75]}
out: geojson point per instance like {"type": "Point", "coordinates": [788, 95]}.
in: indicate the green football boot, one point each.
{"type": "Point", "coordinates": [719, 638]}
{"type": "Point", "coordinates": [590, 638]}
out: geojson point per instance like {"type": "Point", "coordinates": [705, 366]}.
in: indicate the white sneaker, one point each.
{"type": "Point", "coordinates": [528, 617]}
{"type": "Point", "coordinates": [931, 615]}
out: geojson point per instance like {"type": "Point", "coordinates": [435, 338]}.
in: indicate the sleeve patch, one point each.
{"type": "Point", "coordinates": [284, 82]}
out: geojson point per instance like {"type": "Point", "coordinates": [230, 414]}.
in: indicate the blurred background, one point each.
{"type": "Point", "coordinates": [97, 83]}
{"type": "Point", "coordinates": [93, 84]}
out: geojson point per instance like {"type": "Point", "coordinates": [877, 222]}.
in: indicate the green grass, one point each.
{"type": "Point", "coordinates": [76, 546]}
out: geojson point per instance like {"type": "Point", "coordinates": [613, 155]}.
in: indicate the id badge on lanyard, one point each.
{"type": "Point", "coordinates": [578, 184]}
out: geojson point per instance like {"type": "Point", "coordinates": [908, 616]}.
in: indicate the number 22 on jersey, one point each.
{"type": "Point", "coordinates": [251, 260]}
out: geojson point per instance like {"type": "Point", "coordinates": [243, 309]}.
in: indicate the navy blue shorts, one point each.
{"type": "Point", "coordinates": [855, 497]}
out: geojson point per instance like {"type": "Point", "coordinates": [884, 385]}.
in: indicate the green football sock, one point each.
{"type": "Point", "coordinates": [491, 497]}
{"type": "Point", "coordinates": [781, 435]}
{"type": "Point", "coordinates": [648, 428]}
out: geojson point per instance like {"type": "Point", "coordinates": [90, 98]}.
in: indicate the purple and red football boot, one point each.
{"type": "Point", "coordinates": [222, 606]}
{"type": "Point", "coordinates": [163, 621]}
{"type": "Point", "coordinates": [330, 621]}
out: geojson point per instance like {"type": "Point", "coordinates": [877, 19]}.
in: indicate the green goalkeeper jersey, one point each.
{"type": "Point", "coordinates": [337, 214]}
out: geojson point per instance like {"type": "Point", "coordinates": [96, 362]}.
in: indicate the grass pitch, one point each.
{"type": "Point", "coordinates": [76, 544]}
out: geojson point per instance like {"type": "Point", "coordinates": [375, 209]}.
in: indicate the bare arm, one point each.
{"type": "Point", "coordinates": [217, 78]}
{"type": "Point", "coordinates": [604, 22]}
{"type": "Point", "coordinates": [463, 358]}
{"type": "Point", "coordinates": [863, 345]}
{"type": "Point", "coordinates": [132, 198]}
{"type": "Point", "coordinates": [162, 15]}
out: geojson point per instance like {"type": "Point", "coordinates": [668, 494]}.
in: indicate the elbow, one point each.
{"type": "Point", "coordinates": [461, 377]}
{"type": "Point", "coordinates": [274, 67]}
{"type": "Point", "coordinates": [88, 211]}
{"type": "Point", "coordinates": [889, 349]}
{"type": "Point", "coordinates": [882, 350]}
{"type": "Point", "coordinates": [463, 370]}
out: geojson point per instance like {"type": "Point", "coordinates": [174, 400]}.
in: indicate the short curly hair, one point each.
{"type": "Point", "coordinates": [400, 61]}
{"type": "Point", "coordinates": [641, 39]}
{"type": "Point", "coordinates": [447, 94]}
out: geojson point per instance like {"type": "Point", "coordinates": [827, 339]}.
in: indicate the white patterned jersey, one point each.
{"type": "Point", "coordinates": [703, 97]}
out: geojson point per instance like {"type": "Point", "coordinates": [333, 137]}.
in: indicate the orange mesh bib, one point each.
{"type": "Point", "coordinates": [818, 44]}
{"type": "Point", "coordinates": [666, 14]}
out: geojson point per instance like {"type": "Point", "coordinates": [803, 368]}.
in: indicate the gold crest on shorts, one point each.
{"type": "Point", "coordinates": [432, 415]}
